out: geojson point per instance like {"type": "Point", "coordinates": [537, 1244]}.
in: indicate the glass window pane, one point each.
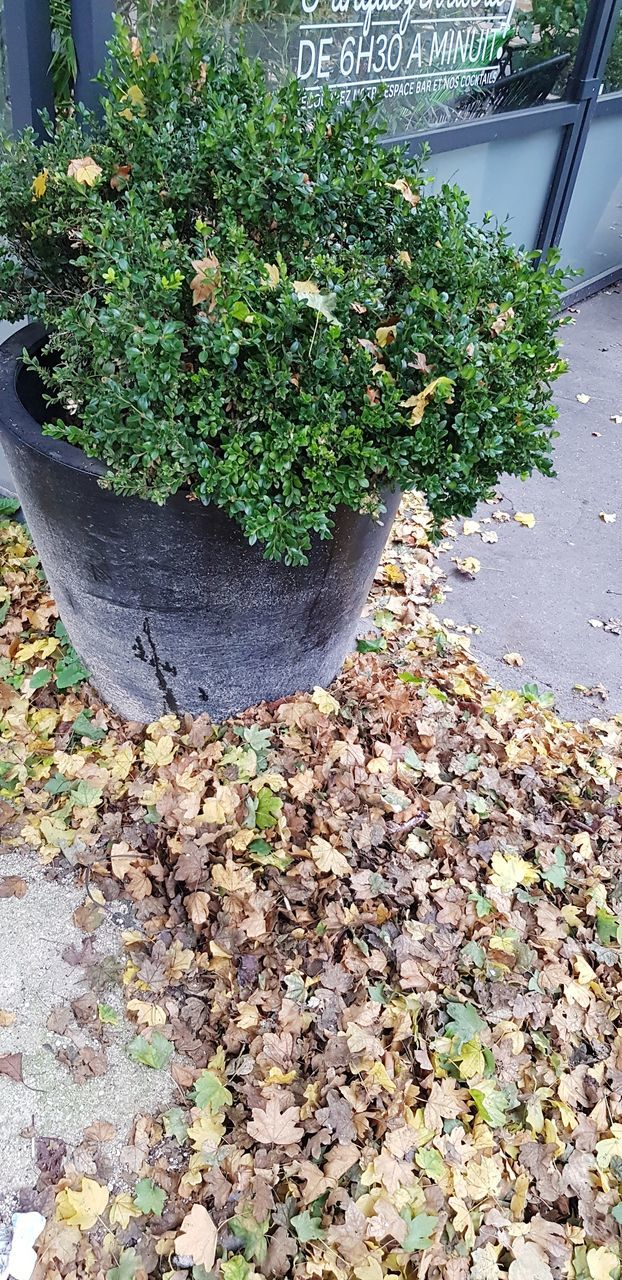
{"type": "Point", "coordinates": [612, 80]}
{"type": "Point", "coordinates": [592, 236]}
{"type": "Point", "coordinates": [434, 62]}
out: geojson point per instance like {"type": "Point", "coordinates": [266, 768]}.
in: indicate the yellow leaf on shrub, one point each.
{"type": "Point", "coordinates": [273, 273]}
{"type": "Point", "coordinates": [443, 387]}
{"type": "Point", "coordinates": [39, 184]}
{"type": "Point", "coordinates": [84, 170]}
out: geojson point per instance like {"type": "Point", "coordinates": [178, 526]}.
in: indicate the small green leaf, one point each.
{"type": "Point", "coordinates": [82, 727]}
{"type": "Point", "coordinates": [236, 1268]}
{"type": "Point", "coordinates": [268, 809]}
{"type": "Point", "coordinates": [85, 796]}
{"type": "Point", "coordinates": [128, 1265]}
{"type": "Point", "coordinates": [210, 1093]}
{"type": "Point", "coordinates": [607, 926]}
{"type": "Point", "coordinates": [555, 875]}
{"type": "Point", "coordinates": [58, 784]}
{"type": "Point", "coordinates": [148, 1197]}
{"type": "Point", "coordinates": [464, 1023]}
{"type": "Point", "coordinates": [419, 1233]}
{"type": "Point", "coordinates": [8, 507]}
{"type": "Point", "coordinates": [491, 1103]}
{"type": "Point", "coordinates": [175, 1125]}
{"type": "Point", "coordinates": [616, 1212]}
{"type": "Point", "coordinates": [307, 1227]}
{"type": "Point", "coordinates": [106, 1013]}
{"type": "Point", "coordinates": [40, 678]}
{"type": "Point", "coordinates": [251, 1234]}
{"type": "Point", "coordinates": [69, 672]}
{"type": "Point", "coordinates": [377, 645]}
{"type": "Point", "coordinates": [155, 1053]}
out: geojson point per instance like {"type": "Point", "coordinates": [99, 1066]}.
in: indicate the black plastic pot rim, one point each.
{"type": "Point", "coordinates": [18, 419]}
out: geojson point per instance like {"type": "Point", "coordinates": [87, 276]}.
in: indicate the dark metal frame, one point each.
{"type": "Point", "coordinates": [27, 31]}
{"type": "Point", "coordinates": [29, 52]}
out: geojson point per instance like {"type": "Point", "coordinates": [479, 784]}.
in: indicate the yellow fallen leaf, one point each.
{"type": "Point", "coordinates": [526, 518]}
{"type": "Point", "coordinates": [530, 1262]}
{"type": "Point", "coordinates": [394, 575]}
{"type": "Point", "coordinates": [84, 170]}
{"type": "Point", "coordinates": [206, 1132]}
{"type": "Point", "coordinates": [508, 871]}
{"type": "Point", "coordinates": [148, 1015]}
{"type": "Point", "coordinates": [135, 95]}
{"type": "Point", "coordinates": [39, 184]}
{"type": "Point", "coordinates": [471, 526]}
{"type": "Point", "coordinates": [583, 845]}
{"type": "Point", "coordinates": [122, 1210]}
{"type": "Point", "coordinates": [513, 659]}
{"type": "Point", "coordinates": [206, 281]}
{"type": "Point", "coordinates": [6, 1018]}
{"type": "Point", "coordinates": [159, 753]}
{"type": "Point", "coordinates": [81, 1208]}
{"type": "Point", "coordinates": [381, 1077]}
{"type": "Point", "coordinates": [324, 701]}
{"type": "Point", "coordinates": [469, 565]}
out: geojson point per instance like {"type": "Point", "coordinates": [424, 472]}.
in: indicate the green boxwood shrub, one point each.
{"type": "Point", "coordinates": [265, 307]}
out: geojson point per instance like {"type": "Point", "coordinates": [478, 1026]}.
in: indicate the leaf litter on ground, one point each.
{"type": "Point", "coordinates": [374, 937]}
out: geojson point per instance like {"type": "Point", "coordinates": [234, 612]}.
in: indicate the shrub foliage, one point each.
{"type": "Point", "coordinates": [266, 308]}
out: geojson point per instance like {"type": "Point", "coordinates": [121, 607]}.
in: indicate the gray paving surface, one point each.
{"type": "Point", "coordinates": [538, 588]}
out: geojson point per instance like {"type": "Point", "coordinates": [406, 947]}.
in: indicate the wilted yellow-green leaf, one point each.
{"type": "Point", "coordinates": [273, 274]}
{"type": "Point", "coordinates": [324, 701]}
{"type": "Point", "coordinates": [439, 389]}
{"type": "Point", "coordinates": [526, 518]}
{"type": "Point", "coordinates": [122, 1210]}
{"type": "Point", "coordinates": [159, 753]}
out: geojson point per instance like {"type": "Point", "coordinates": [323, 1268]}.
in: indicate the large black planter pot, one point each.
{"type": "Point", "coordinates": [169, 607]}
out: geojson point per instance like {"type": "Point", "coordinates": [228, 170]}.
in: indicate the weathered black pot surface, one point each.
{"type": "Point", "coordinates": [169, 607]}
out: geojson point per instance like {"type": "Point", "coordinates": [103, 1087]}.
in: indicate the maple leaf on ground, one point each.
{"type": "Point", "coordinates": [327, 858]}
{"type": "Point", "coordinates": [210, 1093]}
{"type": "Point", "coordinates": [198, 1238]}
{"type": "Point", "coordinates": [530, 1262]}
{"type": "Point", "coordinates": [11, 1066]}
{"type": "Point", "coordinates": [155, 1053]}
{"type": "Point", "coordinates": [272, 1127]}
{"type": "Point", "coordinates": [82, 1207]}
{"type": "Point", "coordinates": [148, 1197]}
